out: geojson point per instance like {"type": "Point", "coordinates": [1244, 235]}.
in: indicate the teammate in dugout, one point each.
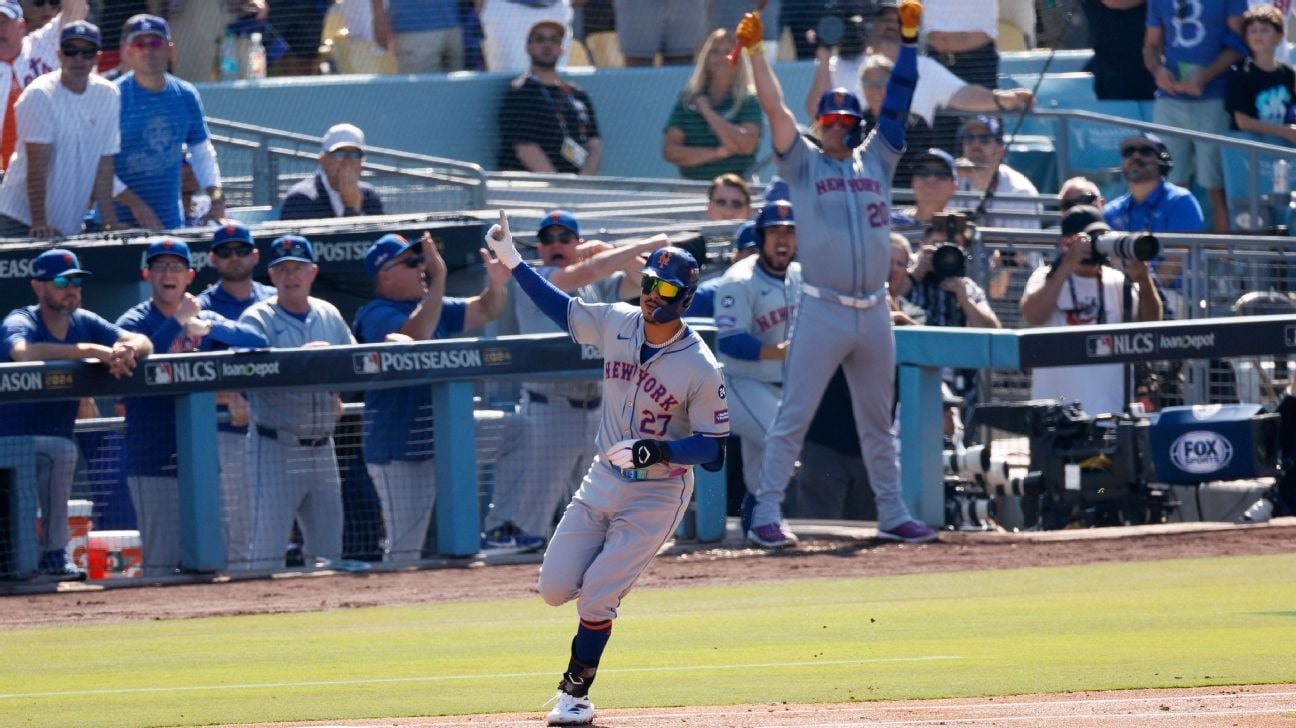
{"type": "Point", "coordinates": [175, 322]}
{"type": "Point", "coordinates": [755, 303]}
{"type": "Point", "coordinates": [841, 192]}
{"type": "Point", "coordinates": [663, 412]}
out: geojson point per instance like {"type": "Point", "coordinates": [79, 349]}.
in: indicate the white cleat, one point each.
{"type": "Point", "coordinates": [571, 710]}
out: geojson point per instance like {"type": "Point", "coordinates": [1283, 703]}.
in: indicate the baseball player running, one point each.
{"type": "Point", "coordinates": [842, 192]}
{"type": "Point", "coordinates": [663, 412]}
{"type": "Point", "coordinates": [755, 303]}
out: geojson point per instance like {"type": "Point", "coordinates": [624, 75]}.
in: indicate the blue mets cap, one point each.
{"type": "Point", "coordinates": [776, 213]}
{"type": "Point", "coordinates": [57, 262]}
{"type": "Point", "coordinates": [168, 246]}
{"type": "Point", "coordinates": [291, 247]}
{"type": "Point", "coordinates": [81, 30]}
{"type": "Point", "coordinates": [145, 24]}
{"type": "Point", "coordinates": [232, 231]}
{"type": "Point", "coordinates": [839, 101]}
{"type": "Point", "coordinates": [745, 236]}
{"type": "Point", "coordinates": [384, 249]}
{"type": "Point", "coordinates": [562, 219]}
{"type": "Point", "coordinates": [777, 189]}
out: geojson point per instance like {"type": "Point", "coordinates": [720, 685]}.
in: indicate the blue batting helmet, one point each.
{"type": "Point", "coordinates": [776, 213]}
{"type": "Point", "coordinates": [677, 266]}
{"type": "Point", "coordinates": [841, 101]}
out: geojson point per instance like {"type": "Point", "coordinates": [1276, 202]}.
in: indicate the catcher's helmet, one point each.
{"type": "Point", "coordinates": [841, 101]}
{"type": "Point", "coordinates": [776, 213]}
{"type": "Point", "coordinates": [677, 266]}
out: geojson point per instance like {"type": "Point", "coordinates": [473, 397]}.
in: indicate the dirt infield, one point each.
{"type": "Point", "coordinates": [829, 552]}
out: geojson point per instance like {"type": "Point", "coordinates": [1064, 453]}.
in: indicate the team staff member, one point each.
{"type": "Point", "coordinates": [663, 412]}
{"type": "Point", "coordinates": [234, 256]}
{"type": "Point", "coordinates": [57, 328]}
{"type": "Point", "coordinates": [755, 304]}
{"type": "Point", "coordinates": [841, 192]}
{"type": "Point", "coordinates": [291, 459]}
{"type": "Point", "coordinates": [559, 418]}
{"type": "Point", "coordinates": [411, 305]}
{"type": "Point", "coordinates": [175, 322]}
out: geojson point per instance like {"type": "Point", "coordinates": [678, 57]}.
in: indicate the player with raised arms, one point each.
{"type": "Point", "coordinates": [663, 413]}
{"type": "Point", "coordinates": [841, 194]}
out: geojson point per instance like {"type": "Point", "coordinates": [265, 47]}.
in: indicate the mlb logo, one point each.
{"type": "Point", "coordinates": [158, 374]}
{"type": "Point", "coordinates": [370, 363]}
{"type": "Point", "coordinates": [1100, 345]}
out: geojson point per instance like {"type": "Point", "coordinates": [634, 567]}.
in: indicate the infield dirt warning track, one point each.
{"type": "Point", "coordinates": [1249, 706]}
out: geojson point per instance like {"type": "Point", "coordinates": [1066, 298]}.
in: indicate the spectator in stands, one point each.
{"type": "Point", "coordinates": [174, 322]}
{"type": "Point", "coordinates": [411, 305]}
{"type": "Point", "coordinates": [1116, 30]}
{"type": "Point", "coordinates": [234, 256]}
{"type": "Point", "coordinates": [1078, 290]}
{"type": "Point", "coordinates": [113, 19]}
{"type": "Point", "coordinates": [335, 190]}
{"type": "Point", "coordinates": [199, 26]}
{"type": "Point", "coordinates": [354, 51]}
{"type": "Point", "coordinates": [427, 35]}
{"type": "Point", "coordinates": [1080, 191]}
{"type": "Point", "coordinates": [728, 198]}
{"type": "Point", "coordinates": [673, 28]}
{"type": "Point", "coordinates": [160, 114]}
{"type": "Point", "coordinates": [559, 418]}
{"type": "Point", "coordinates": [57, 328]}
{"type": "Point", "coordinates": [66, 145]}
{"type": "Point", "coordinates": [301, 25]}
{"type": "Point", "coordinates": [934, 183]}
{"type": "Point", "coordinates": [195, 204]}
{"type": "Point", "coordinates": [800, 17]}
{"type": "Point", "coordinates": [1020, 16]}
{"type": "Point", "coordinates": [505, 24]}
{"type": "Point", "coordinates": [291, 460]}
{"type": "Point", "coordinates": [715, 125]}
{"type": "Point", "coordinates": [28, 55]}
{"type": "Point", "coordinates": [960, 35]}
{"type": "Point", "coordinates": [1153, 204]}
{"type": "Point", "coordinates": [744, 245]}
{"type": "Point", "coordinates": [547, 124]}
{"type": "Point", "coordinates": [39, 12]}
{"type": "Point", "coordinates": [1262, 89]}
{"type": "Point", "coordinates": [983, 146]}
{"type": "Point", "coordinates": [600, 33]}
{"type": "Point", "coordinates": [1190, 58]}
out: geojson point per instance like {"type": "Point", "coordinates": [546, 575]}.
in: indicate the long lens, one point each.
{"type": "Point", "coordinates": [948, 261]}
{"type": "Point", "coordinates": [1140, 246]}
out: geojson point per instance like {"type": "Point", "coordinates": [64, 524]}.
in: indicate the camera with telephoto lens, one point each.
{"type": "Point", "coordinates": [1130, 246]}
{"type": "Point", "coordinates": [949, 260]}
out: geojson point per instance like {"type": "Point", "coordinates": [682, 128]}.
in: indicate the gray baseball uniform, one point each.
{"type": "Point", "coordinates": [618, 520]}
{"type": "Point", "coordinates": [751, 301]}
{"type": "Point", "coordinates": [843, 243]}
{"type": "Point", "coordinates": [559, 422]}
{"type": "Point", "coordinates": [291, 461]}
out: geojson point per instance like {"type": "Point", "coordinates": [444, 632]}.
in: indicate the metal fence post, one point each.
{"type": "Point", "coordinates": [201, 542]}
{"type": "Point", "coordinates": [458, 519]}
{"type": "Point", "coordinates": [265, 175]}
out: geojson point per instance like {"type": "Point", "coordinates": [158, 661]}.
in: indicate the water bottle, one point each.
{"type": "Point", "coordinates": [229, 57]}
{"type": "Point", "coordinates": [256, 61]}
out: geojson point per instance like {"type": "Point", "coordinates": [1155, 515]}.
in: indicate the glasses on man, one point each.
{"type": "Point", "coordinates": [347, 155]}
{"type": "Point", "coordinates": [937, 172]}
{"type": "Point", "coordinates": [225, 252]}
{"type": "Point", "coordinates": [1070, 202]}
{"type": "Point", "coordinates": [724, 202]}
{"type": "Point", "coordinates": [1128, 152]}
{"type": "Point", "coordinates": [148, 42]}
{"type": "Point", "coordinates": [43, 3]}
{"type": "Point", "coordinates": [542, 38]}
{"type": "Point", "coordinates": [844, 120]}
{"type": "Point", "coordinates": [979, 138]}
{"type": "Point", "coordinates": [414, 261]}
{"type": "Point", "coordinates": [71, 52]}
{"type": "Point", "coordinates": [563, 237]}
{"type": "Point", "coordinates": [667, 290]}
{"type": "Point", "coordinates": [168, 267]}
{"type": "Point", "coordinates": [65, 281]}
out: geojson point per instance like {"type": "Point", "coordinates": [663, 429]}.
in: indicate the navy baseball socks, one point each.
{"type": "Point", "coordinates": [573, 704]}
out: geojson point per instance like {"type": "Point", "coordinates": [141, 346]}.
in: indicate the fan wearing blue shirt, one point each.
{"type": "Point", "coordinates": [53, 329]}
{"type": "Point", "coordinates": [411, 305]}
{"type": "Point", "coordinates": [174, 322]}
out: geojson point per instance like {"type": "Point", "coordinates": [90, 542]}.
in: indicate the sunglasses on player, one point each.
{"type": "Point", "coordinates": [414, 261]}
{"type": "Point", "coordinates": [550, 238]}
{"type": "Point", "coordinates": [229, 251]}
{"type": "Point", "coordinates": [844, 120]}
{"type": "Point", "coordinates": [65, 281]}
{"type": "Point", "coordinates": [665, 289]}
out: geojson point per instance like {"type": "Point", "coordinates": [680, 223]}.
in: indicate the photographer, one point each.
{"type": "Point", "coordinates": [1079, 289]}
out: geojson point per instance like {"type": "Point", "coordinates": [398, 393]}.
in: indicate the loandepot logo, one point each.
{"type": "Point", "coordinates": [1100, 345]}
{"type": "Point", "coordinates": [248, 369]}
{"type": "Point", "coordinates": [1201, 451]}
{"type": "Point", "coordinates": [413, 361]}
{"type": "Point", "coordinates": [180, 372]}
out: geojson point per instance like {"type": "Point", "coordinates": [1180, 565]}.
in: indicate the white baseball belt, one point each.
{"type": "Point", "coordinates": [826, 294]}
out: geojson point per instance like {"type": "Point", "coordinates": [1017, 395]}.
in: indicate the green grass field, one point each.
{"type": "Point", "coordinates": [1147, 624]}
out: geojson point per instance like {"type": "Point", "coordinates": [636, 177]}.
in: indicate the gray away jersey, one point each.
{"type": "Point", "coordinates": [677, 393]}
{"type": "Point", "coordinates": [842, 213]}
{"type": "Point", "coordinates": [532, 321]}
{"type": "Point", "coordinates": [751, 301]}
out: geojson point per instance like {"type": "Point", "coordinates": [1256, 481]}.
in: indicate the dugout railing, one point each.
{"type": "Point", "coordinates": [453, 369]}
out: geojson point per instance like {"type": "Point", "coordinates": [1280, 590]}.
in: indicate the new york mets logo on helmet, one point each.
{"type": "Point", "coordinates": [663, 258]}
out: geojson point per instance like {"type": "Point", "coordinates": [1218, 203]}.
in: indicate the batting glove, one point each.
{"type": "Point", "coordinates": [750, 33]}
{"type": "Point", "coordinates": [500, 241]}
{"type": "Point", "coordinates": [911, 12]}
{"type": "Point", "coordinates": [635, 454]}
